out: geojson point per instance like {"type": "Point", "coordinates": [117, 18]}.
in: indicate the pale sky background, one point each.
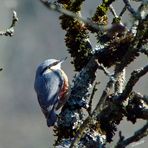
{"type": "Point", "coordinates": [38, 36]}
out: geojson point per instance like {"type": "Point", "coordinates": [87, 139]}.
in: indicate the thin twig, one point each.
{"type": "Point", "coordinates": [135, 76]}
{"type": "Point", "coordinates": [106, 72]}
{"type": "Point", "coordinates": [121, 138]}
{"type": "Point", "coordinates": [10, 30]}
{"type": "Point", "coordinates": [122, 12]}
{"type": "Point", "coordinates": [59, 9]}
{"type": "Point", "coordinates": [113, 11]}
{"type": "Point", "coordinates": [139, 134]}
{"type": "Point", "coordinates": [131, 10]}
{"type": "Point", "coordinates": [91, 98]}
{"type": "Point", "coordinates": [105, 94]}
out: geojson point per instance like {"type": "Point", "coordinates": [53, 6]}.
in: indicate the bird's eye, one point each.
{"type": "Point", "coordinates": [48, 67]}
{"type": "Point", "coordinates": [55, 63]}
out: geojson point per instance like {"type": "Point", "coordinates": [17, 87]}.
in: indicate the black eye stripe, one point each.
{"type": "Point", "coordinates": [53, 64]}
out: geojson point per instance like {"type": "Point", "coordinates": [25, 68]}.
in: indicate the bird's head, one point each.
{"type": "Point", "coordinates": [51, 64]}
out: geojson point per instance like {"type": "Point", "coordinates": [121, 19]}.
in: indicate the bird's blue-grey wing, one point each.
{"type": "Point", "coordinates": [47, 87]}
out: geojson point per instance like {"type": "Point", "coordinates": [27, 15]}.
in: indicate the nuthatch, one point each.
{"type": "Point", "coordinates": [52, 88]}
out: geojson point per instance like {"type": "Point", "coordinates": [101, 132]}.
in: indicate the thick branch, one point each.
{"type": "Point", "coordinates": [70, 117]}
{"type": "Point", "coordinates": [120, 80]}
{"type": "Point", "coordinates": [71, 123]}
{"type": "Point", "coordinates": [94, 115]}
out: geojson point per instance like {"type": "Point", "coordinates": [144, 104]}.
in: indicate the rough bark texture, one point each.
{"type": "Point", "coordinates": [118, 46]}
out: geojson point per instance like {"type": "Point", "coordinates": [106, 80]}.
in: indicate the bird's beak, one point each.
{"type": "Point", "coordinates": [63, 60]}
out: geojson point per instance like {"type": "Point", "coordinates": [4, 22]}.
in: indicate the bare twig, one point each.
{"type": "Point", "coordinates": [134, 138]}
{"type": "Point", "coordinates": [91, 97]}
{"type": "Point", "coordinates": [59, 9]}
{"type": "Point", "coordinates": [131, 10]}
{"type": "Point", "coordinates": [121, 138]}
{"type": "Point", "coordinates": [113, 11]}
{"type": "Point", "coordinates": [123, 11]}
{"type": "Point", "coordinates": [135, 76]}
{"type": "Point", "coordinates": [10, 30]}
{"type": "Point", "coordinates": [103, 98]}
{"type": "Point", "coordinates": [101, 67]}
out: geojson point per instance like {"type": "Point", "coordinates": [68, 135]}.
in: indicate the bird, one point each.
{"type": "Point", "coordinates": [52, 88]}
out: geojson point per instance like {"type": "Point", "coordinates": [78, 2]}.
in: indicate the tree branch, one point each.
{"type": "Point", "coordinates": [58, 8]}
{"type": "Point", "coordinates": [135, 76]}
{"type": "Point", "coordinates": [89, 109]}
{"type": "Point", "coordinates": [101, 67]}
{"type": "Point", "coordinates": [90, 119]}
{"type": "Point", "coordinates": [113, 11]}
{"type": "Point", "coordinates": [10, 30]}
{"type": "Point", "coordinates": [122, 12]}
{"type": "Point", "coordinates": [131, 10]}
{"type": "Point", "coordinates": [70, 116]}
{"type": "Point", "coordinates": [139, 134]}
{"type": "Point", "coordinates": [120, 80]}
{"type": "Point", "coordinates": [120, 51]}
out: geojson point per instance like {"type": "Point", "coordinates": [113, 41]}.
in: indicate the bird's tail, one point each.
{"type": "Point", "coordinates": [51, 119]}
